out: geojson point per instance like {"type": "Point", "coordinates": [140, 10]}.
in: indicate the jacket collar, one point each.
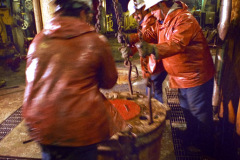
{"type": "Point", "coordinates": [147, 16]}
{"type": "Point", "coordinates": [176, 9]}
{"type": "Point", "coordinates": [66, 27]}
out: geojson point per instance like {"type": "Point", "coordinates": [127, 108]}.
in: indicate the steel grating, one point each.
{"type": "Point", "coordinates": [178, 125]}
{"type": "Point", "coordinates": [7, 126]}
{"type": "Point", "coordinates": [16, 158]}
{"type": "Point", "coordinates": [10, 123]}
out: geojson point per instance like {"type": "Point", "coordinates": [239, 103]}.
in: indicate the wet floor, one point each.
{"type": "Point", "coordinates": [13, 135]}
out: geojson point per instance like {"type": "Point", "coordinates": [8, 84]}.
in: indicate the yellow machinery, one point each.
{"type": "Point", "coordinates": [8, 51]}
{"type": "Point", "coordinates": [5, 19]}
{"type": "Point", "coordinates": [129, 23]}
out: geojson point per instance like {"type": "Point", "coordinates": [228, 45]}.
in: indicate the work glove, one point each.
{"type": "Point", "coordinates": [146, 49]}
{"type": "Point", "coordinates": [147, 81]}
{"type": "Point", "coordinates": [122, 38]}
{"type": "Point", "coordinates": [125, 51]}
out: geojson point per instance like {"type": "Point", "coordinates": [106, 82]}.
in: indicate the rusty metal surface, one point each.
{"type": "Point", "coordinates": [129, 64]}
{"type": "Point", "coordinates": [142, 139]}
{"type": "Point", "coordinates": [149, 100]}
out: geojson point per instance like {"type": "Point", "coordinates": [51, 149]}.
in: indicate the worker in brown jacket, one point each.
{"type": "Point", "coordinates": [67, 64]}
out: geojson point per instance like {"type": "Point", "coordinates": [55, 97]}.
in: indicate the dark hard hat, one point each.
{"type": "Point", "coordinates": [72, 4]}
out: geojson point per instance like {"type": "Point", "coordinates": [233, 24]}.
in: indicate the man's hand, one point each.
{"type": "Point", "coordinates": [126, 52]}
{"type": "Point", "coordinates": [147, 81]}
{"type": "Point", "coordinates": [122, 38]}
{"type": "Point", "coordinates": [145, 49]}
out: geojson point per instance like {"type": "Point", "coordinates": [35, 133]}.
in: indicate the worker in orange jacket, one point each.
{"type": "Point", "coordinates": [151, 68]}
{"type": "Point", "coordinates": [186, 58]}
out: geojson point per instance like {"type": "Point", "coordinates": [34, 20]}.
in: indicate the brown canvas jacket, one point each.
{"type": "Point", "coordinates": [67, 64]}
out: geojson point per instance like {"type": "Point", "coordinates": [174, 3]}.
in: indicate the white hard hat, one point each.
{"type": "Point", "coordinates": [133, 5]}
{"type": "Point", "coordinates": [150, 3]}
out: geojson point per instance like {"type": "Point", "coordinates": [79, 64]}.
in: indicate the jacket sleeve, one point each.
{"type": "Point", "coordinates": [108, 73]}
{"type": "Point", "coordinates": [177, 37]}
{"type": "Point", "coordinates": [149, 31]}
{"type": "Point", "coordinates": [133, 38]}
{"type": "Point", "coordinates": [149, 34]}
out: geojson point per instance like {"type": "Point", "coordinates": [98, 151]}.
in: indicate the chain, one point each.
{"type": "Point", "coordinates": [119, 22]}
{"type": "Point", "coordinates": [141, 39]}
{"type": "Point", "coordinates": [149, 84]}
{"type": "Point", "coordinates": [127, 62]}
{"type": "Point", "coordinates": [98, 16]}
{"type": "Point", "coordinates": [139, 26]}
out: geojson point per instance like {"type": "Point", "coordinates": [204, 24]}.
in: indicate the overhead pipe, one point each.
{"type": "Point", "coordinates": [224, 21]}
{"type": "Point", "coordinates": [203, 5]}
{"type": "Point", "coordinates": [217, 79]}
{"type": "Point", "coordinates": [223, 27]}
{"type": "Point", "coordinates": [37, 15]}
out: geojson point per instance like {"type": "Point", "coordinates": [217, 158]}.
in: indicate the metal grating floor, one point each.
{"type": "Point", "coordinates": [10, 123]}
{"type": "Point", "coordinates": [178, 125]}
{"type": "Point", "coordinates": [7, 126]}
{"type": "Point", "coordinates": [16, 158]}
